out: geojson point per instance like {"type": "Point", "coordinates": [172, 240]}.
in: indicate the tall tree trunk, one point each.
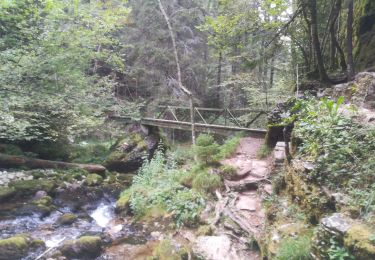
{"type": "Point", "coordinates": [185, 90]}
{"type": "Point", "coordinates": [316, 43]}
{"type": "Point", "coordinates": [272, 72]}
{"type": "Point", "coordinates": [332, 30]}
{"type": "Point", "coordinates": [219, 68]}
{"type": "Point", "coordinates": [349, 36]}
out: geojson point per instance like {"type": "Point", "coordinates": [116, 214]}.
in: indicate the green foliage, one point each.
{"type": "Point", "coordinates": [206, 149]}
{"type": "Point", "coordinates": [50, 88]}
{"type": "Point", "coordinates": [10, 149]}
{"type": "Point", "coordinates": [207, 182]}
{"type": "Point", "coordinates": [90, 152]}
{"type": "Point", "coordinates": [341, 149]}
{"type": "Point", "coordinates": [337, 252]}
{"type": "Point", "coordinates": [295, 248]}
{"type": "Point", "coordinates": [156, 186]}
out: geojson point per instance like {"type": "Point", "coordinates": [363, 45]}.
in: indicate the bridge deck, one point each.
{"type": "Point", "coordinates": [199, 127]}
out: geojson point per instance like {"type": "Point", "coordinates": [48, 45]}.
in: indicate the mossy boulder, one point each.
{"type": "Point", "coordinates": [94, 179]}
{"type": "Point", "coordinates": [26, 188]}
{"type": "Point", "coordinates": [357, 240]}
{"type": "Point", "coordinates": [18, 247]}
{"type": "Point", "coordinates": [66, 219]}
{"type": "Point", "coordinates": [123, 204]}
{"type": "Point", "coordinates": [129, 152]}
{"type": "Point", "coordinates": [6, 193]}
{"type": "Point", "coordinates": [43, 205]}
{"type": "Point", "coordinates": [86, 247]}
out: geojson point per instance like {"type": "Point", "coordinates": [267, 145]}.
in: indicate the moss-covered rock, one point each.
{"type": "Point", "coordinates": [311, 197]}
{"type": "Point", "coordinates": [43, 205]}
{"type": "Point", "coordinates": [364, 26]}
{"type": "Point", "coordinates": [17, 247]}
{"type": "Point", "coordinates": [94, 179]}
{"type": "Point", "coordinates": [166, 250]}
{"type": "Point", "coordinates": [66, 219]}
{"type": "Point", "coordinates": [205, 230]}
{"type": "Point", "coordinates": [129, 152]}
{"type": "Point", "coordinates": [86, 247]}
{"type": "Point", "coordinates": [30, 187]}
{"type": "Point", "coordinates": [123, 204]}
{"type": "Point", "coordinates": [6, 192]}
{"type": "Point", "coordinates": [357, 240]}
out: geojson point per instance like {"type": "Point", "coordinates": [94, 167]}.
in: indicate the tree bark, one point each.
{"type": "Point", "coordinates": [10, 161]}
{"type": "Point", "coordinates": [335, 45]}
{"type": "Point", "coordinates": [349, 37]}
{"type": "Point", "coordinates": [316, 43]}
{"type": "Point", "coordinates": [219, 66]}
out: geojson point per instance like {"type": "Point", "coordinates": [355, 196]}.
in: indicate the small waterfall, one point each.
{"type": "Point", "coordinates": [103, 214]}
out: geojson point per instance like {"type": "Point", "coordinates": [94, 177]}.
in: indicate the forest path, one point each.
{"type": "Point", "coordinates": [247, 188]}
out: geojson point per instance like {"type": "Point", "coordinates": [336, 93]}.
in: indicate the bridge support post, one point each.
{"type": "Point", "coordinates": [192, 119]}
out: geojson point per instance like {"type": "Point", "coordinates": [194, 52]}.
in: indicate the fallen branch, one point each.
{"type": "Point", "coordinates": [13, 161]}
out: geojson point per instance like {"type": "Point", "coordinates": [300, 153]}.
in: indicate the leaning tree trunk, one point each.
{"type": "Point", "coordinates": [185, 90]}
{"type": "Point", "coordinates": [349, 38]}
{"type": "Point", "coordinates": [12, 161]}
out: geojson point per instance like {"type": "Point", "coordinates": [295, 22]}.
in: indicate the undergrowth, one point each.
{"type": "Point", "coordinates": [156, 187]}
{"type": "Point", "coordinates": [342, 150]}
{"type": "Point", "coordinates": [162, 187]}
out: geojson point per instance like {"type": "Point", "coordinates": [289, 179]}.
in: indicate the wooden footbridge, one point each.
{"type": "Point", "coordinates": [209, 120]}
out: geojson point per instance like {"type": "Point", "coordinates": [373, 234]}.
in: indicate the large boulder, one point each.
{"type": "Point", "coordinates": [18, 247]}
{"type": "Point", "coordinates": [129, 152]}
{"type": "Point", "coordinates": [86, 247]}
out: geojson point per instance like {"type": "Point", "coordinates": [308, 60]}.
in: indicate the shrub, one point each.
{"type": "Point", "coordinates": [207, 182]}
{"type": "Point", "coordinates": [206, 149]}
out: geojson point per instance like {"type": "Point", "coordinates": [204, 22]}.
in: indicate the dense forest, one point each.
{"type": "Point", "coordinates": [187, 129]}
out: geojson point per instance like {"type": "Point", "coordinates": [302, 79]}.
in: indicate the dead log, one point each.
{"type": "Point", "coordinates": [13, 161]}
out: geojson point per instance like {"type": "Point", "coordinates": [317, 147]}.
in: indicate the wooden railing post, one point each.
{"type": "Point", "coordinates": [192, 119]}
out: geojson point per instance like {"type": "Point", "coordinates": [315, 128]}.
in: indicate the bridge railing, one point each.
{"type": "Point", "coordinates": [210, 116]}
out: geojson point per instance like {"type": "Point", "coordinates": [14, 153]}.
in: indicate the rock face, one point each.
{"type": "Point", "coordinates": [311, 197]}
{"type": "Point", "coordinates": [365, 29]}
{"type": "Point", "coordinates": [130, 151]}
{"type": "Point", "coordinates": [86, 247]}
{"type": "Point", "coordinates": [18, 247]}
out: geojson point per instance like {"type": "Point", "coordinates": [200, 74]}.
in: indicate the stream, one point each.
{"type": "Point", "coordinates": [99, 220]}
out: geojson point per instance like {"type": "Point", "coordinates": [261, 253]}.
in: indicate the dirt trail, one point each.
{"type": "Point", "coordinates": [248, 186]}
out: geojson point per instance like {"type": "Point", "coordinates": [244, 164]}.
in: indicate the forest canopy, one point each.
{"type": "Point", "coordinates": [66, 64]}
